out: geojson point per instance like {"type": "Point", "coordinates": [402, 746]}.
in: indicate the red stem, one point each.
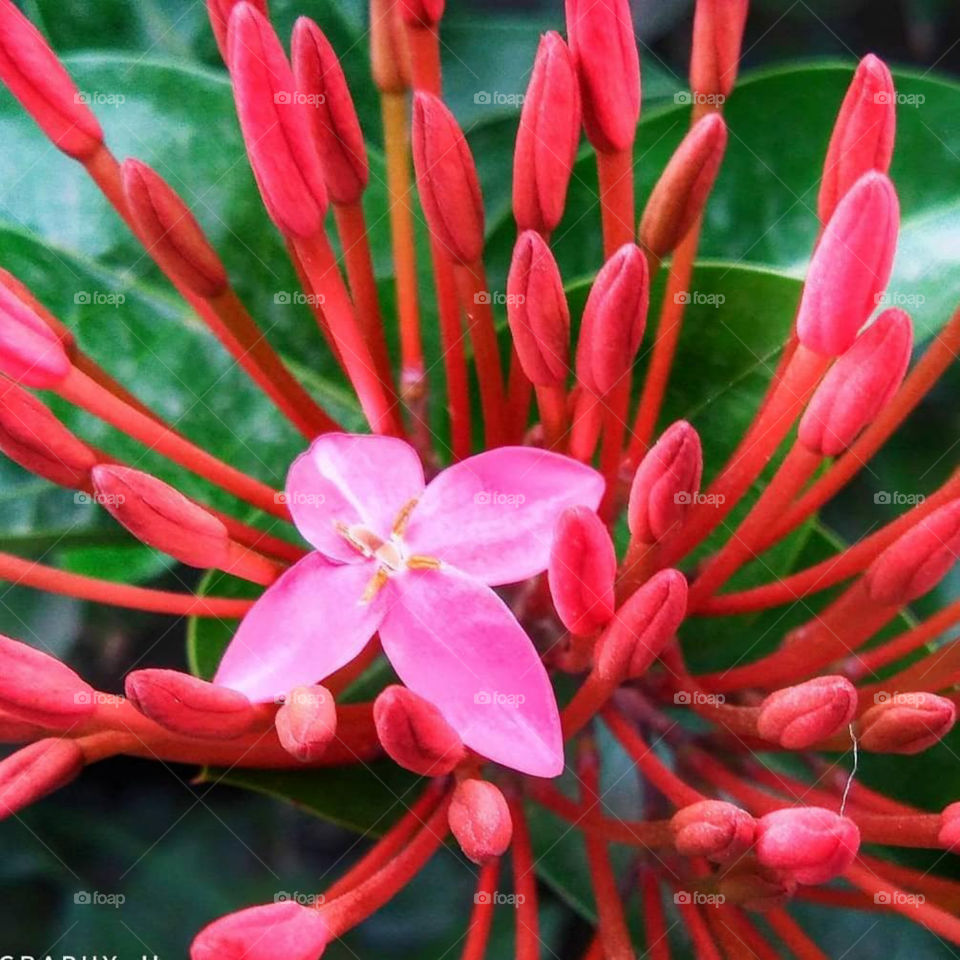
{"type": "Point", "coordinates": [481, 917]}
{"type": "Point", "coordinates": [524, 885]}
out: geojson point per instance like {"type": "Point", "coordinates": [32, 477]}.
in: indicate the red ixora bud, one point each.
{"type": "Point", "coordinates": [307, 722]}
{"type": "Point", "coordinates": [447, 179]}
{"type": "Point", "coordinates": [665, 484]}
{"type": "Point", "coordinates": [863, 134]}
{"type": "Point", "coordinates": [917, 561]}
{"type": "Point", "coordinates": [680, 194]}
{"type": "Point", "coordinates": [714, 829]}
{"type": "Point", "coordinates": [614, 319]}
{"type": "Point", "coordinates": [907, 723]}
{"type": "Point", "coordinates": [414, 733]}
{"type": "Point", "coordinates": [850, 267]}
{"type": "Point", "coordinates": [583, 567]}
{"type": "Point", "coordinates": [600, 33]}
{"type": "Point", "coordinates": [547, 138]}
{"type": "Point", "coordinates": [37, 78]}
{"type": "Point", "coordinates": [162, 517]}
{"type": "Point", "coordinates": [219, 12]}
{"type": "Point", "coordinates": [537, 312]}
{"type": "Point", "coordinates": [809, 844]}
{"type": "Point", "coordinates": [276, 126]}
{"type": "Point", "coordinates": [189, 705]}
{"type": "Point", "coordinates": [717, 37]}
{"type": "Point", "coordinates": [35, 771]}
{"type": "Point", "coordinates": [800, 716]}
{"type": "Point", "coordinates": [30, 351]}
{"type": "Point", "coordinates": [480, 820]}
{"type": "Point", "coordinates": [336, 128]}
{"type": "Point", "coordinates": [422, 13]}
{"type": "Point", "coordinates": [858, 386]}
{"type": "Point", "coordinates": [287, 929]}
{"type": "Point", "coordinates": [949, 836]}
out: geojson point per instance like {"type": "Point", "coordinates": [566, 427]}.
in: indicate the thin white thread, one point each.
{"type": "Point", "coordinates": [853, 770]}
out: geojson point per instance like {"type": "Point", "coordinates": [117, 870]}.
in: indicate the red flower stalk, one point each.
{"type": "Point", "coordinates": [30, 351]}
{"type": "Point", "coordinates": [286, 929]}
{"type": "Point", "coordinates": [307, 722]}
{"type": "Point", "coordinates": [717, 37]}
{"type": "Point", "coordinates": [35, 771]}
{"type": "Point", "coordinates": [422, 13]}
{"type": "Point", "coordinates": [906, 723]}
{"type": "Point", "coordinates": [713, 829]}
{"type": "Point", "coordinates": [389, 58]}
{"type": "Point", "coordinates": [798, 717]}
{"type": "Point", "coordinates": [810, 845]}
{"type": "Point", "coordinates": [414, 733]}
{"type": "Point", "coordinates": [480, 820]}
{"type": "Point", "coordinates": [949, 835]}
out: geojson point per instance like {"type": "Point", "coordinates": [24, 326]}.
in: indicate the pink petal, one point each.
{"type": "Point", "coordinates": [454, 642]}
{"type": "Point", "coordinates": [493, 516]}
{"type": "Point", "coordinates": [351, 479]}
{"type": "Point", "coordinates": [307, 625]}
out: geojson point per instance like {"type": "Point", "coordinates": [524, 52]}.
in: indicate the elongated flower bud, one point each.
{"type": "Point", "coordinates": [717, 38]}
{"type": "Point", "coordinates": [547, 138]}
{"type": "Point", "coordinates": [643, 626]}
{"type": "Point", "coordinates": [336, 128]}
{"type": "Point", "coordinates": [171, 232]}
{"type": "Point", "coordinates": [666, 483]}
{"type": "Point", "coordinates": [601, 36]}
{"type": "Point", "coordinates": [800, 716]}
{"type": "Point", "coordinates": [162, 517]}
{"type": "Point", "coordinates": [614, 319]}
{"type": "Point", "coordinates": [810, 844]}
{"type": "Point", "coordinates": [415, 734]}
{"type": "Point", "coordinates": [286, 929]}
{"type": "Point", "coordinates": [863, 134]}
{"type": "Point", "coordinates": [917, 561]}
{"type": "Point", "coordinates": [35, 771]}
{"type": "Point", "coordinates": [949, 836]}
{"type": "Point", "coordinates": [713, 829]}
{"type": "Point", "coordinates": [389, 56]}
{"type": "Point", "coordinates": [276, 126]}
{"type": "Point", "coordinates": [307, 722]}
{"type": "Point", "coordinates": [22, 292]}
{"type": "Point", "coordinates": [219, 12]}
{"type": "Point", "coordinates": [422, 13]}
{"type": "Point", "coordinates": [30, 352]}
{"type": "Point", "coordinates": [680, 194]}
{"type": "Point", "coordinates": [188, 705]}
{"type": "Point", "coordinates": [858, 386]}
{"type": "Point", "coordinates": [851, 266]}
{"type": "Point", "coordinates": [13, 730]}
{"type": "Point", "coordinates": [480, 820]}
{"type": "Point", "coordinates": [447, 179]}
{"type": "Point", "coordinates": [37, 78]}
{"type": "Point", "coordinates": [907, 723]}
{"type": "Point", "coordinates": [537, 312]}
{"type": "Point", "coordinates": [583, 567]}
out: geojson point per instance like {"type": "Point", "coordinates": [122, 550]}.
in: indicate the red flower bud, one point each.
{"type": "Point", "coordinates": [680, 194]}
{"type": "Point", "coordinates": [643, 626]}
{"type": "Point", "coordinates": [389, 57]}
{"type": "Point", "coordinates": [422, 13]}
{"type": "Point", "coordinates": [600, 33]}
{"type": "Point", "coordinates": [714, 829]}
{"type": "Point", "coordinates": [851, 266]}
{"type": "Point", "coordinates": [798, 717]}
{"type": "Point", "coordinates": [37, 78]}
{"type": "Point", "coordinates": [547, 138]}
{"type": "Point", "coordinates": [23, 293]}
{"type": "Point", "coordinates": [810, 844]}
{"type": "Point", "coordinates": [917, 561]}
{"type": "Point", "coordinates": [614, 319]}
{"type": "Point", "coordinates": [858, 386]}
{"type": "Point", "coordinates": [171, 232]}
{"type": "Point", "coordinates": [30, 351]}
{"type": "Point", "coordinates": [336, 128]}
{"type": "Point", "coordinates": [307, 722]}
{"type": "Point", "coordinates": [537, 312]}
{"type": "Point", "coordinates": [276, 126]}
{"type": "Point", "coordinates": [162, 517]}
{"type": "Point", "coordinates": [862, 138]}
{"type": "Point", "coordinates": [717, 37]}
{"type": "Point", "coordinates": [665, 483]}
{"type": "Point", "coordinates": [480, 820]}
{"type": "Point", "coordinates": [13, 730]}
{"type": "Point", "coordinates": [949, 836]}
{"type": "Point", "coordinates": [583, 567]}
{"type": "Point", "coordinates": [907, 723]}
{"type": "Point", "coordinates": [415, 734]}
{"type": "Point", "coordinates": [189, 705]}
{"type": "Point", "coordinates": [447, 179]}
{"type": "Point", "coordinates": [219, 12]}
{"type": "Point", "coordinates": [35, 771]}
{"type": "Point", "coordinates": [286, 929]}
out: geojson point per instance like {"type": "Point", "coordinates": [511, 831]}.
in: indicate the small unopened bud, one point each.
{"type": "Point", "coordinates": [307, 722]}
{"type": "Point", "coordinates": [717, 38]}
{"type": "Point", "coordinates": [800, 716]}
{"type": "Point", "coordinates": [614, 319]}
{"type": "Point", "coordinates": [547, 138]}
{"type": "Point", "coordinates": [583, 567]}
{"type": "Point", "coordinates": [809, 844]}
{"type": "Point", "coordinates": [680, 194]}
{"type": "Point", "coordinates": [907, 723]}
{"type": "Point", "coordinates": [666, 484]}
{"type": "Point", "coordinates": [30, 351]}
{"type": "Point", "coordinates": [422, 13]}
{"type": "Point", "coordinates": [219, 12]}
{"type": "Point", "coordinates": [162, 517]}
{"type": "Point", "coordinates": [35, 771]}
{"type": "Point", "coordinates": [850, 267]}
{"type": "Point", "coordinates": [188, 705]}
{"type": "Point", "coordinates": [286, 929]}
{"type": "Point", "coordinates": [415, 734]}
{"type": "Point", "coordinates": [949, 836]}
{"type": "Point", "coordinates": [858, 386]}
{"type": "Point", "coordinates": [713, 829]}
{"type": "Point", "coordinates": [480, 820]}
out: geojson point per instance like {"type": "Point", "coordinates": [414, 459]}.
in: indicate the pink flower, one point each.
{"type": "Point", "coordinates": [416, 562]}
